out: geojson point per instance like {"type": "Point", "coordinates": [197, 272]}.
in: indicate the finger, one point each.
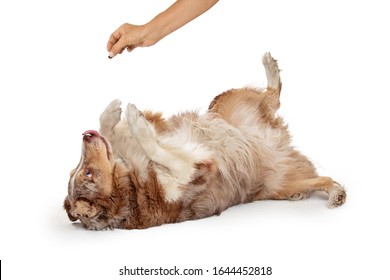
{"type": "Point", "coordinates": [118, 47]}
{"type": "Point", "coordinates": [130, 48]}
{"type": "Point", "coordinates": [121, 51]}
{"type": "Point", "coordinates": [114, 39]}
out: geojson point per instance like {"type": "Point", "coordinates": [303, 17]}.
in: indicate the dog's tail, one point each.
{"type": "Point", "coordinates": [272, 71]}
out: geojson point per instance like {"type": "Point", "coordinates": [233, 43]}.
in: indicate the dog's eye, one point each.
{"type": "Point", "coordinates": [88, 173]}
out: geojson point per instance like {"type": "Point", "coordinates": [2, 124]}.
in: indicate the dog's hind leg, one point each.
{"type": "Point", "coordinates": [110, 118]}
{"type": "Point", "coordinates": [300, 189]}
{"type": "Point", "coordinates": [250, 106]}
{"type": "Point", "coordinates": [270, 101]}
{"type": "Point", "coordinates": [272, 71]}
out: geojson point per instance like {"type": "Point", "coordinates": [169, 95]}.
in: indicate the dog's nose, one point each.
{"type": "Point", "coordinates": [89, 134]}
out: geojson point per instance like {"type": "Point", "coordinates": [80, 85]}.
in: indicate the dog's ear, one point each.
{"type": "Point", "coordinates": [67, 207]}
{"type": "Point", "coordinates": [72, 172]}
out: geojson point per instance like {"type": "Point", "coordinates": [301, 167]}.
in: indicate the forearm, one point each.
{"type": "Point", "coordinates": [177, 15]}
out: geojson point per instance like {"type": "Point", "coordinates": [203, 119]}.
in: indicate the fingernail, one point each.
{"type": "Point", "coordinates": [110, 55]}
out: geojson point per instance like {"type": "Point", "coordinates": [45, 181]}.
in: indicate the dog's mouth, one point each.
{"type": "Point", "coordinates": [84, 209]}
{"type": "Point", "coordinates": [98, 142]}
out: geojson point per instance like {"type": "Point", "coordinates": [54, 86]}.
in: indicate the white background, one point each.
{"type": "Point", "coordinates": [56, 79]}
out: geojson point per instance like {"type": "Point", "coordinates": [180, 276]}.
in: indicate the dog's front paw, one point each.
{"type": "Point", "coordinates": [111, 116]}
{"type": "Point", "coordinates": [138, 125]}
{"type": "Point", "coordinates": [337, 196]}
{"type": "Point", "coordinates": [141, 129]}
{"type": "Point", "coordinates": [133, 114]}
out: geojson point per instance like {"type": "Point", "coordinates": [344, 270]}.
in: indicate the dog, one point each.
{"type": "Point", "coordinates": [145, 170]}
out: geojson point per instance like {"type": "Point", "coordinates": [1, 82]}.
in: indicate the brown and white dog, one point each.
{"type": "Point", "coordinates": [145, 170]}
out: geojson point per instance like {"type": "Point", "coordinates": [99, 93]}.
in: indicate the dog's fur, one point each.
{"type": "Point", "coordinates": [152, 170]}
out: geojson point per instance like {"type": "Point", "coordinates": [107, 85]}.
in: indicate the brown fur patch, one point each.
{"type": "Point", "coordinates": [157, 120]}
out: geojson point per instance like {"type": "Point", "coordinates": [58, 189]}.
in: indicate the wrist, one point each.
{"type": "Point", "coordinates": [151, 33]}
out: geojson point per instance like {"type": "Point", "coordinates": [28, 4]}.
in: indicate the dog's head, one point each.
{"type": "Point", "coordinates": [91, 182]}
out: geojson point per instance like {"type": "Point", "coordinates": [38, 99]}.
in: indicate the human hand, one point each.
{"type": "Point", "coordinates": [129, 36]}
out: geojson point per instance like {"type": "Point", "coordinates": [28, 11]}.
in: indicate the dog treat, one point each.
{"type": "Point", "coordinates": [146, 170]}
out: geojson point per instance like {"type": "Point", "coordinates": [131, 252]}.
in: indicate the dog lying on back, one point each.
{"type": "Point", "coordinates": [147, 170]}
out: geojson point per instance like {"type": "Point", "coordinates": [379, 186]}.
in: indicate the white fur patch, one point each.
{"type": "Point", "coordinates": [73, 179]}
